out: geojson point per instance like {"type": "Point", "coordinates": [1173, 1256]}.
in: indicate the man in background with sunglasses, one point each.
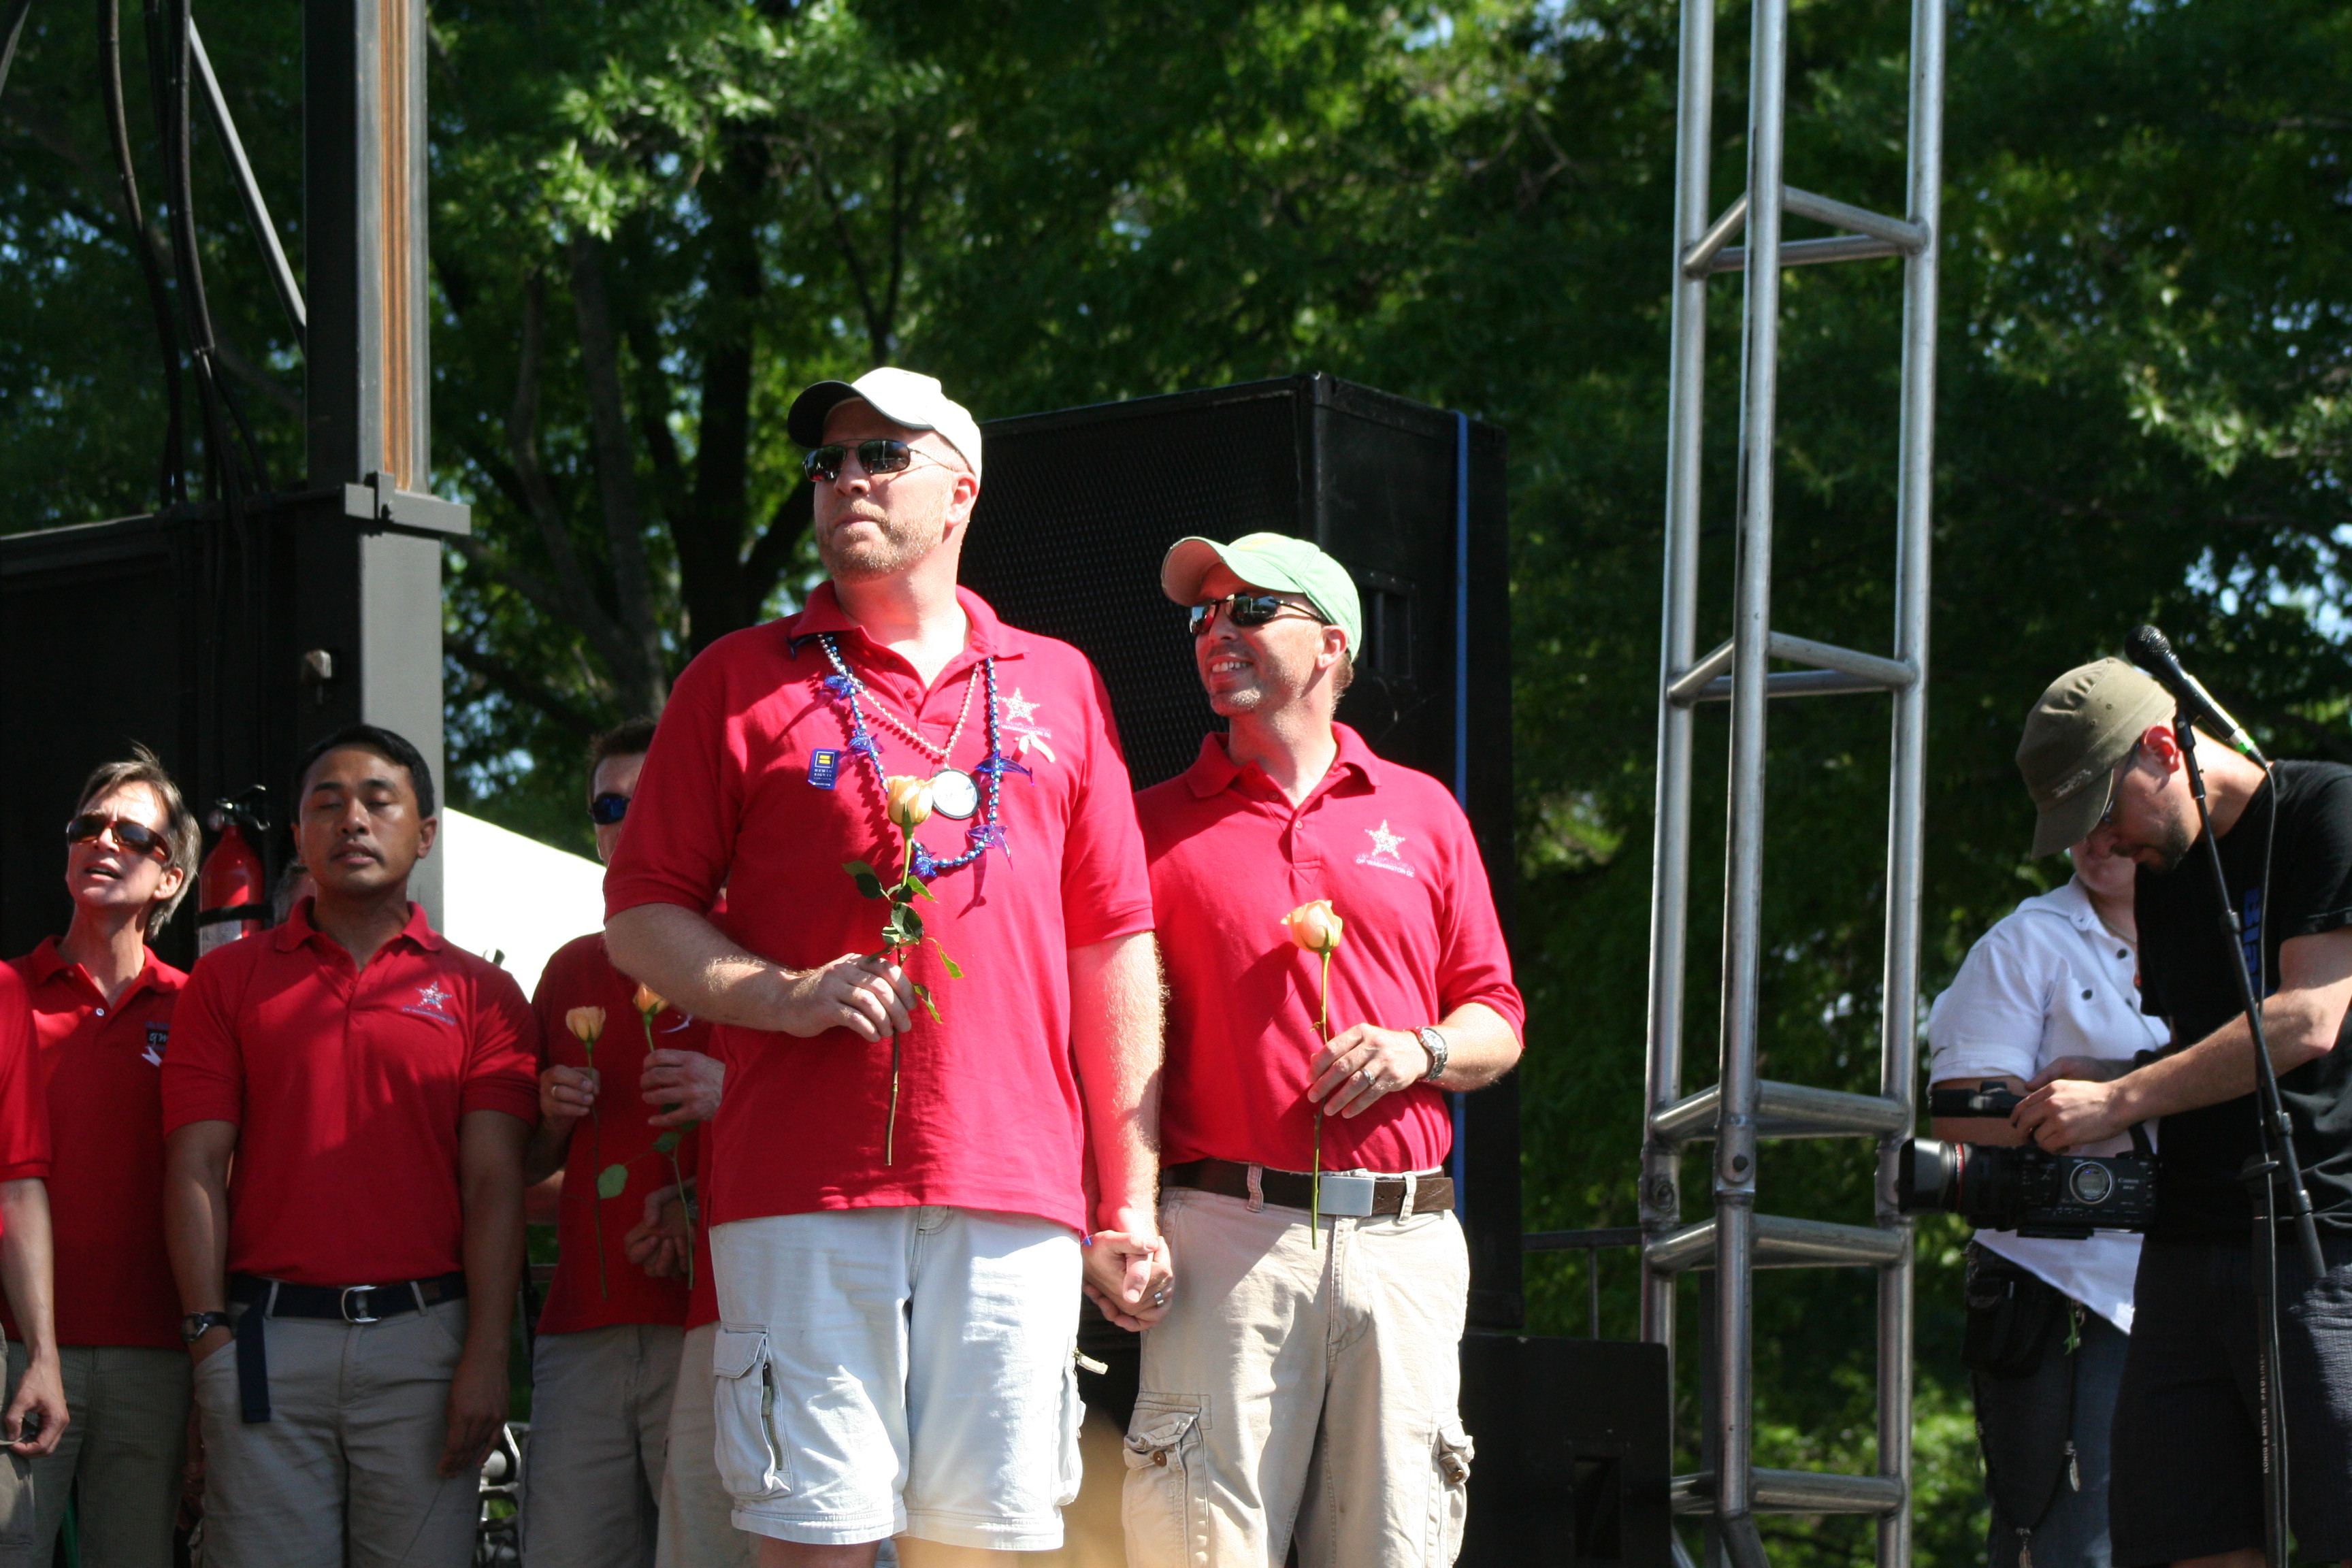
{"type": "Point", "coordinates": [1302, 1387]}
{"type": "Point", "coordinates": [350, 1289]}
{"type": "Point", "coordinates": [101, 1012]}
{"type": "Point", "coordinates": [605, 1362]}
{"type": "Point", "coordinates": [898, 1255]}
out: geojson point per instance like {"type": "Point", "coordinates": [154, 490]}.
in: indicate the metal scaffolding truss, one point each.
{"type": "Point", "coordinates": [1742, 1110]}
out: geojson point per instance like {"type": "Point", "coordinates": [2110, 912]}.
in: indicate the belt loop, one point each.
{"type": "Point", "coordinates": [1256, 1189]}
{"type": "Point", "coordinates": [417, 1290]}
{"type": "Point", "coordinates": [269, 1307]}
{"type": "Point", "coordinates": [1404, 1205]}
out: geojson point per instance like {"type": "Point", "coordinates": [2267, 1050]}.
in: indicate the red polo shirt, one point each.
{"type": "Point", "coordinates": [24, 1115]}
{"type": "Point", "coordinates": [735, 793]}
{"type": "Point", "coordinates": [101, 1068]}
{"type": "Point", "coordinates": [1229, 856]}
{"type": "Point", "coordinates": [581, 975]}
{"type": "Point", "coordinates": [346, 1087]}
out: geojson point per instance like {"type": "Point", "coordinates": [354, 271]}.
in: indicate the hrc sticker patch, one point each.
{"type": "Point", "coordinates": [824, 768]}
{"type": "Point", "coordinates": [158, 1034]}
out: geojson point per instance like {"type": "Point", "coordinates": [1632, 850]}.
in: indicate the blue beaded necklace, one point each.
{"type": "Point", "coordinates": [992, 768]}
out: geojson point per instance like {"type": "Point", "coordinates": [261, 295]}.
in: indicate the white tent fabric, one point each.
{"type": "Point", "coordinates": [513, 899]}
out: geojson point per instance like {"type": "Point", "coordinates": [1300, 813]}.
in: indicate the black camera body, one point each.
{"type": "Point", "coordinates": [2027, 1190]}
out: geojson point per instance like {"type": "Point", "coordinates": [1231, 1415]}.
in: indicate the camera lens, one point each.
{"type": "Point", "coordinates": [1926, 1175]}
{"type": "Point", "coordinates": [2091, 1183]}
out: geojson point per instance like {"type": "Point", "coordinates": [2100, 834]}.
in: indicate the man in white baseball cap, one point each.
{"type": "Point", "coordinates": [899, 1190]}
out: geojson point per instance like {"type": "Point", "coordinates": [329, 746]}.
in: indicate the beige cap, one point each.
{"type": "Point", "coordinates": [901, 396]}
{"type": "Point", "coordinates": [2085, 724]}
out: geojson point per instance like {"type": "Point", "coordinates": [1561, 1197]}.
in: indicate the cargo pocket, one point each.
{"type": "Point", "coordinates": [1163, 1505]}
{"type": "Point", "coordinates": [752, 1463]}
{"type": "Point", "coordinates": [1449, 1496]}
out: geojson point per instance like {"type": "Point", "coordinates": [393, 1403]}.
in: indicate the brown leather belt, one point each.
{"type": "Point", "coordinates": [1293, 1189]}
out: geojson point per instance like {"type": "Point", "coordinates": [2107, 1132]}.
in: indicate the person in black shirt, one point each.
{"type": "Point", "coordinates": [2095, 757]}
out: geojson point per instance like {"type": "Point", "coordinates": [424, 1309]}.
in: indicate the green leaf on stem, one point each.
{"type": "Point", "coordinates": [669, 1140]}
{"type": "Point", "coordinates": [611, 1181]}
{"type": "Point", "coordinates": [923, 995]}
{"type": "Point", "coordinates": [912, 886]}
{"type": "Point", "coordinates": [954, 973]}
{"type": "Point", "coordinates": [869, 881]}
{"type": "Point", "coordinates": [904, 927]}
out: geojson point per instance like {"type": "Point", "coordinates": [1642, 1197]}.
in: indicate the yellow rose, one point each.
{"type": "Point", "coordinates": [649, 1001]}
{"type": "Point", "coordinates": [585, 1023]}
{"type": "Point", "coordinates": [910, 800]}
{"type": "Point", "coordinates": [1315, 926]}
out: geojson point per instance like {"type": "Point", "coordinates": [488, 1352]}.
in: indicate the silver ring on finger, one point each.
{"type": "Point", "coordinates": [1366, 1074]}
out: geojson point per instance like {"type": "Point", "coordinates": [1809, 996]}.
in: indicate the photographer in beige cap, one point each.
{"type": "Point", "coordinates": [899, 1191]}
{"type": "Point", "coordinates": [1302, 1389]}
{"type": "Point", "coordinates": [2103, 761]}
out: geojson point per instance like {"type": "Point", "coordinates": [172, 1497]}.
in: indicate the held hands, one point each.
{"type": "Point", "coordinates": [683, 1086]}
{"type": "Point", "coordinates": [870, 998]}
{"type": "Point", "coordinates": [2075, 1101]}
{"type": "Point", "coordinates": [41, 1395]}
{"type": "Point", "coordinates": [1129, 1276]}
{"type": "Point", "coordinates": [658, 1243]}
{"type": "Point", "coordinates": [566, 1094]}
{"type": "Point", "coordinates": [1362, 1065]}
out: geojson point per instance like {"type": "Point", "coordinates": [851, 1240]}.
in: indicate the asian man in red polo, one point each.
{"type": "Point", "coordinates": [1302, 1387]}
{"type": "Point", "coordinates": [900, 1195]}
{"type": "Point", "coordinates": [351, 1291]}
{"type": "Point", "coordinates": [103, 1005]}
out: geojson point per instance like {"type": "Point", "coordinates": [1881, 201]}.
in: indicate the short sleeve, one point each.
{"type": "Point", "coordinates": [2311, 865]}
{"type": "Point", "coordinates": [24, 1114]}
{"type": "Point", "coordinates": [1106, 884]}
{"type": "Point", "coordinates": [204, 1072]}
{"type": "Point", "coordinates": [1473, 964]}
{"type": "Point", "coordinates": [1990, 1023]}
{"type": "Point", "coordinates": [680, 838]}
{"type": "Point", "coordinates": [502, 1066]}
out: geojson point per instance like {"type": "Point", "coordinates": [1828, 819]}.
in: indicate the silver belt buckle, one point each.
{"type": "Point", "coordinates": [1347, 1196]}
{"type": "Point", "coordinates": [362, 1316]}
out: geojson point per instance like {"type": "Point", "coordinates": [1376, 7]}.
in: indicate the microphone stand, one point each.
{"type": "Point", "coordinates": [2264, 1174]}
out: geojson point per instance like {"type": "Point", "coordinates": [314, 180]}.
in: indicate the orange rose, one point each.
{"type": "Point", "coordinates": [585, 1023]}
{"type": "Point", "coordinates": [911, 801]}
{"type": "Point", "coordinates": [649, 1001]}
{"type": "Point", "coordinates": [1315, 926]}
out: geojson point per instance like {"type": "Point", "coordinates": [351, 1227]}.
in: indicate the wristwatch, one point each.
{"type": "Point", "coordinates": [1434, 1044]}
{"type": "Point", "coordinates": [196, 1325]}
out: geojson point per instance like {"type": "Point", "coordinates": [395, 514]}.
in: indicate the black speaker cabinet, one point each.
{"type": "Point", "coordinates": [1574, 1460]}
{"type": "Point", "coordinates": [1077, 507]}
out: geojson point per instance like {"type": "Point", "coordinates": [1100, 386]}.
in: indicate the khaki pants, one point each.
{"type": "Point", "coordinates": [696, 1531]}
{"type": "Point", "coordinates": [126, 1446]}
{"type": "Point", "coordinates": [600, 1409]}
{"type": "Point", "coordinates": [1297, 1391]}
{"type": "Point", "coordinates": [345, 1472]}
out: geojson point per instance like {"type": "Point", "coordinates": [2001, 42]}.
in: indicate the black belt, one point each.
{"type": "Point", "coordinates": [357, 1304]}
{"type": "Point", "coordinates": [1293, 1189]}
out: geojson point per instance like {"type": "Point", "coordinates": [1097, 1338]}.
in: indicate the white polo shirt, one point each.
{"type": "Point", "coordinates": [2049, 981]}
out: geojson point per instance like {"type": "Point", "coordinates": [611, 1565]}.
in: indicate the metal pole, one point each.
{"type": "Point", "coordinates": [1735, 1150]}
{"type": "Point", "coordinates": [257, 211]}
{"type": "Point", "coordinates": [1913, 499]}
{"type": "Point", "coordinates": [1661, 1201]}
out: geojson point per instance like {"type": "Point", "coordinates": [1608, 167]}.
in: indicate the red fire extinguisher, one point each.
{"type": "Point", "coordinates": [232, 887]}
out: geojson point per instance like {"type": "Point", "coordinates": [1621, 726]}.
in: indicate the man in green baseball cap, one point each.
{"type": "Point", "coordinates": [1266, 561]}
{"type": "Point", "coordinates": [2087, 722]}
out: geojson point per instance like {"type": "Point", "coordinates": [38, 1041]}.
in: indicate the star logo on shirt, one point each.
{"type": "Point", "coordinates": [1384, 857]}
{"type": "Point", "coordinates": [1019, 710]}
{"type": "Point", "coordinates": [1383, 841]}
{"type": "Point", "coordinates": [431, 996]}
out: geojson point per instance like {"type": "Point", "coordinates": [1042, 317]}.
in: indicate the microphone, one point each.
{"type": "Point", "coordinates": [2152, 652]}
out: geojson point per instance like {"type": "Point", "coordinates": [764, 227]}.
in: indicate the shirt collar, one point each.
{"type": "Point", "coordinates": [1214, 770]}
{"type": "Point", "coordinates": [49, 960]}
{"type": "Point", "coordinates": [823, 613]}
{"type": "Point", "coordinates": [299, 928]}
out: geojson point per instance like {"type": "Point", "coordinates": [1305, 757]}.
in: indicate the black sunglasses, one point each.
{"type": "Point", "coordinates": [877, 456]}
{"type": "Point", "coordinates": [135, 837]}
{"type": "Point", "coordinates": [606, 810]}
{"type": "Point", "coordinates": [1245, 610]}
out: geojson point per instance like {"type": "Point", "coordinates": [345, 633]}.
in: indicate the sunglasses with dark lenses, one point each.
{"type": "Point", "coordinates": [606, 810]}
{"type": "Point", "coordinates": [1242, 610]}
{"type": "Point", "coordinates": [135, 837]}
{"type": "Point", "coordinates": [823, 464]}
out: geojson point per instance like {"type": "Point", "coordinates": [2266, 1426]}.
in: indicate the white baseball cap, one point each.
{"type": "Point", "coordinates": [901, 396]}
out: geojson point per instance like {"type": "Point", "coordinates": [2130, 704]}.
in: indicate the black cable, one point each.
{"type": "Point", "coordinates": [8, 46]}
{"type": "Point", "coordinates": [172, 482]}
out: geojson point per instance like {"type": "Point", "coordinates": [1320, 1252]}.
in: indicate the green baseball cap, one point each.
{"type": "Point", "coordinates": [2085, 724]}
{"type": "Point", "coordinates": [1273, 561]}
